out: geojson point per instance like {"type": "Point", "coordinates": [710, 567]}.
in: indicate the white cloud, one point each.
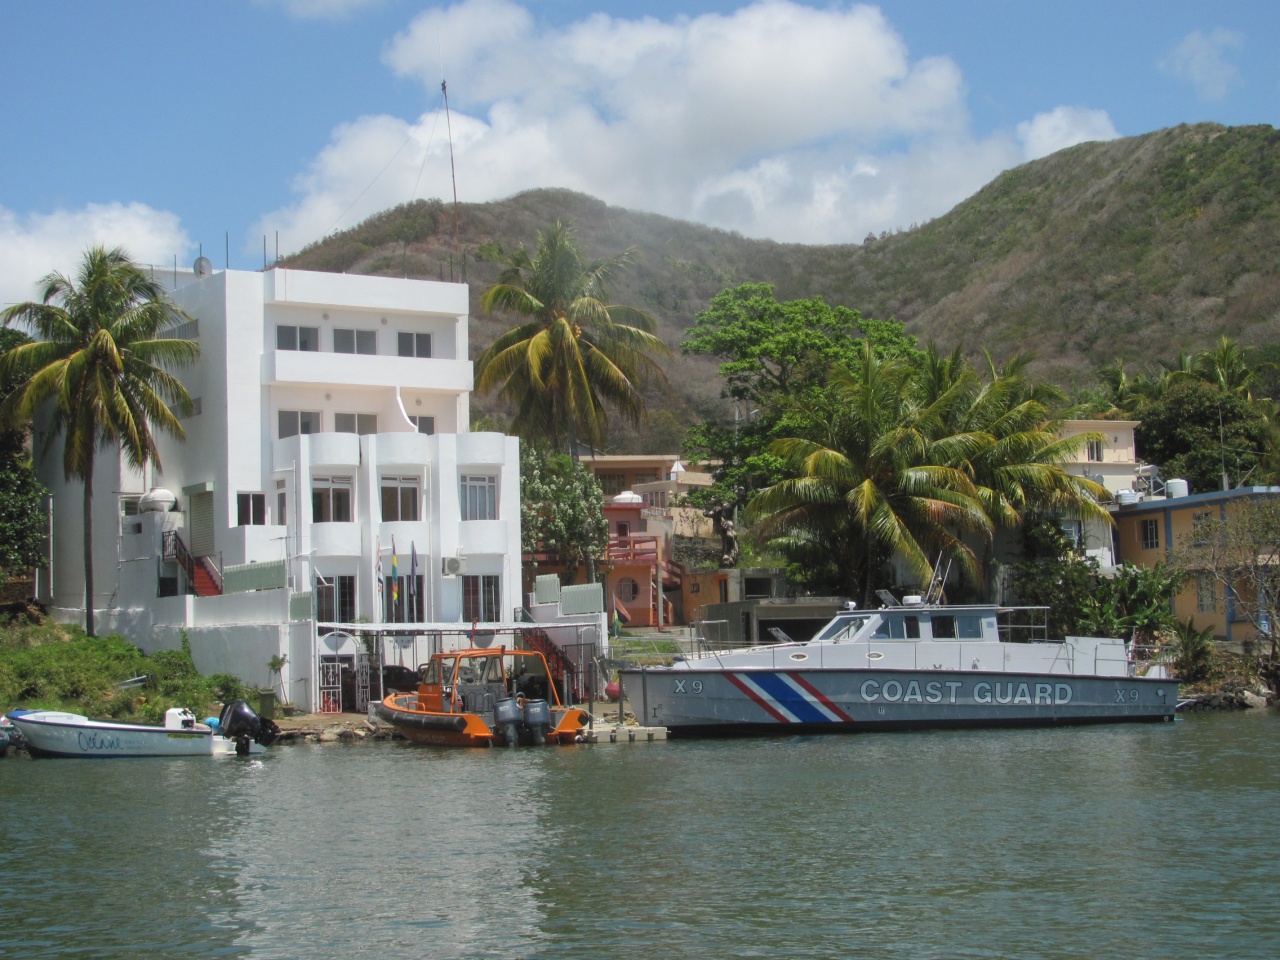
{"type": "Point", "coordinates": [320, 9]}
{"type": "Point", "coordinates": [777, 120]}
{"type": "Point", "coordinates": [1201, 60]}
{"type": "Point", "coordinates": [1063, 127]}
{"type": "Point", "coordinates": [34, 245]}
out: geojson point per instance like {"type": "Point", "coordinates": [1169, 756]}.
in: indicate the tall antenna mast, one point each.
{"type": "Point", "coordinates": [453, 171]}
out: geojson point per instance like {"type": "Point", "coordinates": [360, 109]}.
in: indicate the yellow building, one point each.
{"type": "Point", "coordinates": [1147, 533]}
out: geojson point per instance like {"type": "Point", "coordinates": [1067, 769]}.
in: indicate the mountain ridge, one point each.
{"type": "Point", "coordinates": [1133, 248]}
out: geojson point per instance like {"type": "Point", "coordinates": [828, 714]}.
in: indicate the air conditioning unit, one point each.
{"type": "Point", "coordinates": [453, 566]}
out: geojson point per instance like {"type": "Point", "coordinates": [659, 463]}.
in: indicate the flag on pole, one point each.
{"type": "Point", "coordinates": [395, 580]}
{"type": "Point", "coordinates": [413, 579]}
{"type": "Point", "coordinates": [377, 569]}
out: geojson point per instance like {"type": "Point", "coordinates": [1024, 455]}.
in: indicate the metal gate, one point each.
{"type": "Point", "coordinates": [330, 687]}
{"type": "Point", "coordinates": [362, 683]}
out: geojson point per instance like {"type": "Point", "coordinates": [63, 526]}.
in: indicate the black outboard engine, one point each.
{"type": "Point", "coordinates": [537, 717]}
{"type": "Point", "coordinates": [241, 723]}
{"type": "Point", "coordinates": [506, 715]}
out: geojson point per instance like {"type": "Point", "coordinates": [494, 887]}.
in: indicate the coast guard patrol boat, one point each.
{"type": "Point", "coordinates": [913, 664]}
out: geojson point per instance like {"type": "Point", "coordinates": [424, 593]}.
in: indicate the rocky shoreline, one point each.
{"type": "Point", "coordinates": [1233, 696]}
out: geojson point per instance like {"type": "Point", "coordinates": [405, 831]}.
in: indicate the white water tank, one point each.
{"type": "Point", "coordinates": [1126, 498]}
{"type": "Point", "coordinates": [1176, 488]}
{"type": "Point", "coordinates": [159, 500]}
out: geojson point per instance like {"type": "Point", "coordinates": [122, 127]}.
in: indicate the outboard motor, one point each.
{"type": "Point", "coordinates": [506, 715]}
{"type": "Point", "coordinates": [241, 723]}
{"type": "Point", "coordinates": [537, 717]}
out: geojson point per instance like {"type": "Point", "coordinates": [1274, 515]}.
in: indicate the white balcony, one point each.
{"type": "Point", "coordinates": [482, 536]}
{"type": "Point", "coordinates": [334, 450]}
{"type": "Point", "coordinates": [362, 370]}
{"type": "Point", "coordinates": [250, 544]}
{"type": "Point", "coordinates": [406, 534]}
{"type": "Point", "coordinates": [336, 540]}
{"type": "Point", "coordinates": [402, 449]}
{"type": "Point", "coordinates": [481, 449]}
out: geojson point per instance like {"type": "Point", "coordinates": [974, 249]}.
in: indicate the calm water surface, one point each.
{"type": "Point", "coordinates": [1130, 841]}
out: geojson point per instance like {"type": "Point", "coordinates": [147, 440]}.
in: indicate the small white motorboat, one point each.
{"type": "Point", "coordinates": [50, 733]}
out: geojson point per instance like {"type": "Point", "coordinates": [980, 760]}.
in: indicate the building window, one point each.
{"type": "Point", "coordinates": [282, 504]}
{"type": "Point", "coordinates": [335, 599]}
{"type": "Point", "coordinates": [646, 478]}
{"type": "Point", "coordinates": [399, 498]}
{"type": "Point", "coordinates": [1206, 593]}
{"type": "Point", "coordinates": [331, 500]}
{"type": "Point", "coordinates": [612, 484]}
{"type": "Point", "coordinates": [297, 338]}
{"type": "Point", "coordinates": [1149, 534]}
{"type": "Point", "coordinates": [251, 509]}
{"type": "Point", "coordinates": [405, 604]}
{"type": "Point", "coordinates": [624, 529]}
{"type": "Point", "coordinates": [1093, 451]}
{"type": "Point", "coordinates": [355, 341]}
{"type": "Point", "coordinates": [294, 422]}
{"type": "Point", "coordinates": [627, 590]}
{"type": "Point", "coordinates": [361, 423]}
{"type": "Point", "coordinates": [479, 498]}
{"type": "Point", "coordinates": [129, 504]}
{"type": "Point", "coordinates": [480, 598]}
{"type": "Point", "coordinates": [1200, 528]}
{"type": "Point", "coordinates": [424, 424]}
{"type": "Point", "coordinates": [413, 344]}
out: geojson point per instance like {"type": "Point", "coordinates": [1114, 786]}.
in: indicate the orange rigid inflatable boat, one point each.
{"type": "Point", "coordinates": [484, 697]}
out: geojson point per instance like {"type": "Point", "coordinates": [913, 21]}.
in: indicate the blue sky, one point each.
{"type": "Point", "coordinates": [165, 126]}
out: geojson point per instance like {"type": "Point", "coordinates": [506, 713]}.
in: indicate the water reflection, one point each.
{"type": "Point", "coordinates": [1106, 841]}
{"type": "Point", "coordinates": [109, 859]}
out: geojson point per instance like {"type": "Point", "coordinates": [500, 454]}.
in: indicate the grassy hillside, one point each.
{"type": "Point", "coordinates": [1134, 248]}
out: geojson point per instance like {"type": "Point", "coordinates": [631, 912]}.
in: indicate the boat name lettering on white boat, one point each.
{"type": "Point", "coordinates": [92, 741]}
{"type": "Point", "coordinates": [999, 692]}
{"type": "Point", "coordinates": [696, 685]}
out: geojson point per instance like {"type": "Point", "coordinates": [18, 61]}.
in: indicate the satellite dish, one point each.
{"type": "Point", "coordinates": [202, 267]}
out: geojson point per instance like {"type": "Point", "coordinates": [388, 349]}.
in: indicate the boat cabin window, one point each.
{"type": "Point", "coordinates": [431, 673]}
{"type": "Point", "coordinates": [844, 628]}
{"type": "Point", "coordinates": [472, 669]}
{"type": "Point", "coordinates": [531, 678]}
{"type": "Point", "coordinates": [960, 627]}
{"type": "Point", "coordinates": [493, 672]}
{"type": "Point", "coordinates": [897, 627]}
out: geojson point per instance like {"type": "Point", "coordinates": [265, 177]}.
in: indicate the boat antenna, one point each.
{"type": "Point", "coordinates": [453, 170]}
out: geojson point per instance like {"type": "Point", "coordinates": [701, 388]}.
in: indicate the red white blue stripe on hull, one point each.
{"type": "Point", "coordinates": [788, 697]}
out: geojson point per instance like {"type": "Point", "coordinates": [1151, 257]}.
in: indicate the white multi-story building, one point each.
{"type": "Point", "coordinates": [329, 447]}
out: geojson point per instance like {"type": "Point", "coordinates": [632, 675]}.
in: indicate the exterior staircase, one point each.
{"type": "Point", "coordinates": [558, 662]}
{"type": "Point", "coordinates": [203, 578]}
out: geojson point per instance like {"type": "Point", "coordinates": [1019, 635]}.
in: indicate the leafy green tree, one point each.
{"type": "Point", "coordinates": [1135, 601]}
{"type": "Point", "coordinates": [1195, 431]}
{"type": "Point", "coordinates": [561, 511]}
{"type": "Point", "coordinates": [770, 349]}
{"type": "Point", "coordinates": [771, 353]}
{"type": "Point", "coordinates": [873, 482]}
{"type": "Point", "coordinates": [575, 353]}
{"type": "Point", "coordinates": [22, 517]}
{"type": "Point", "coordinates": [1051, 575]}
{"type": "Point", "coordinates": [103, 362]}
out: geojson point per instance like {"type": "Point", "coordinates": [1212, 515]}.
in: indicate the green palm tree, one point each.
{"type": "Point", "coordinates": [575, 352]}
{"type": "Point", "coordinates": [103, 361]}
{"type": "Point", "coordinates": [875, 483]}
{"type": "Point", "coordinates": [1017, 466]}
